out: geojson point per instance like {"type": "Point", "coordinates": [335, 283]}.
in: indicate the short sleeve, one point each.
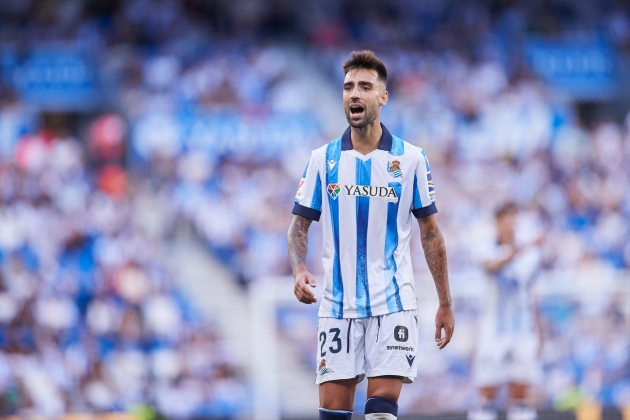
{"type": "Point", "coordinates": [423, 203]}
{"type": "Point", "coordinates": [308, 199]}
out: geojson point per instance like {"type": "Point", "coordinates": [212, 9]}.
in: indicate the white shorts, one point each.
{"type": "Point", "coordinates": [376, 346]}
{"type": "Point", "coordinates": [506, 358]}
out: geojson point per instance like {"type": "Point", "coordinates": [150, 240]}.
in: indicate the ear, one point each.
{"type": "Point", "coordinates": [383, 98]}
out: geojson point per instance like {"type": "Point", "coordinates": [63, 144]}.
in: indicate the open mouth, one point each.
{"type": "Point", "coordinates": [356, 109]}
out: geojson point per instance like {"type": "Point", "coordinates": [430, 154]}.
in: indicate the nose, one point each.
{"type": "Point", "coordinates": [356, 93]}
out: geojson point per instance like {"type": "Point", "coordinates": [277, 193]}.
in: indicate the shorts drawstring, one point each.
{"type": "Point", "coordinates": [348, 336]}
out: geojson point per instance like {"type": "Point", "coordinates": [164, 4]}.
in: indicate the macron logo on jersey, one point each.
{"type": "Point", "coordinates": [388, 193]}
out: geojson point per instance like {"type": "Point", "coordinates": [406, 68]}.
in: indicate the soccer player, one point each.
{"type": "Point", "coordinates": [366, 186]}
{"type": "Point", "coordinates": [507, 343]}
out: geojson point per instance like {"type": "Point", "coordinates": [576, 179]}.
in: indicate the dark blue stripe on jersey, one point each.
{"type": "Point", "coordinates": [381, 405]}
{"type": "Point", "coordinates": [333, 152]}
{"type": "Point", "coordinates": [316, 201]}
{"type": "Point", "coordinates": [425, 211]}
{"type": "Point", "coordinates": [398, 147]}
{"type": "Point", "coordinates": [307, 212]}
{"type": "Point", "coordinates": [417, 200]}
{"type": "Point", "coordinates": [363, 177]}
{"type": "Point", "coordinates": [391, 243]}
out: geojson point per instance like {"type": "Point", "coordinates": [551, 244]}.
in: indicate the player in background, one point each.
{"type": "Point", "coordinates": [507, 344]}
{"type": "Point", "coordinates": [367, 186]}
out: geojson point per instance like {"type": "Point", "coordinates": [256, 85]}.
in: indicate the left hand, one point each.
{"type": "Point", "coordinates": [444, 319]}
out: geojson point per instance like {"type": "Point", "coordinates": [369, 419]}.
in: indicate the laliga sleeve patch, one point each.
{"type": "Point", "coordinates": [300, 191]}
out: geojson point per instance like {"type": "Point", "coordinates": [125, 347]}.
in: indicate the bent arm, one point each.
{"type": "Point", "coordinates": [495, 265]}
{"type": "Point", "coordinates": [435, 254]}
{"type": "Point", "coordinates": [297, 243]}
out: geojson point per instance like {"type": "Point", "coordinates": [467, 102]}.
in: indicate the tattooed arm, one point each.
{"type": "Point", "coordinates": [435, 254]}
{"type": "Point", "coordinates": [297, 242]}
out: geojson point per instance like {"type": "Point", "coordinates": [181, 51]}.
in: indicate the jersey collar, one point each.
{"type": "Point", "coordinates": [384, 144]}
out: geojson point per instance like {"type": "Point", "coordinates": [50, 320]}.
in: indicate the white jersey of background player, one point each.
{"type": "Point", "coordinates": [507, 343]}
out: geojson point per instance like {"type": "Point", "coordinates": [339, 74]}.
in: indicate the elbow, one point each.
{"type": "Point", "coordinates": [490, 268]}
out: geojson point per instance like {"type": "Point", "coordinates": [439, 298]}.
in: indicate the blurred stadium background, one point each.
{"type": "Point", "coordinates": [149, 155]}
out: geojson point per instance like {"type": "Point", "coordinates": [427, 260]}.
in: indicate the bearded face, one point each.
{"type": "Point", "coordinates": [363, 96]}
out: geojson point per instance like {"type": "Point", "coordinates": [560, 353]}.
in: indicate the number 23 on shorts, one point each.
{"type": "Point", "coordinates": [335, 341]}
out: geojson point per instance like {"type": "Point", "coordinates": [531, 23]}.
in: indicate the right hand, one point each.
{"type": "Point", "coordinates": [304, 281]}
{"type": "Point", "coordinates": [444, 320]}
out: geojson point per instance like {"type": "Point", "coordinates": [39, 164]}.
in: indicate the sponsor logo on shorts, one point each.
{"type": "Point", "coordinates": [401, 333]}
{"type": "Point", "coordinates": [410, 359]}
{"type": "Point", "coordinates": [402, 348]}
{"type": "Point", "coordinates": [322, 369]}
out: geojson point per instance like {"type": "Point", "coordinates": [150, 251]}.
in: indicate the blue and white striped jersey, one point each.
{"type": "Point", "coordinates": [366, 203]}
{"type": "Point", "coordinates": [508, 307]}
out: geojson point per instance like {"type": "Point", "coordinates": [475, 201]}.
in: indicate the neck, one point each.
{"type": "Point", "coordinates": [366, 139]}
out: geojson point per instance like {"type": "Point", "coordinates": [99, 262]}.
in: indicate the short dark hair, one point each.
{"type": "Point", "coordinates": [365, 60]}
{"type": "Point", "coordinates": [505, 209]}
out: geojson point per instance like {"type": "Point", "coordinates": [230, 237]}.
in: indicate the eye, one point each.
{"type": "Point", "coordinates": [366, 88]}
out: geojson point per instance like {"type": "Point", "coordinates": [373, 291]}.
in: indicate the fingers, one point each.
{"type": "Point", "coordinates": [441, 342]}
{"type": "Point", "coordinates": [447, 337]}
{"type": "Point", "coordinates": [448, 334]}
{"type": "Point", "coordinates": [438, 333]}
{"type": "Point", "coordinates": [302, 290]}
{"type": "Point", "coordinates": [310, 280]}
{"type": "Point", "coordinates": [304, 295]}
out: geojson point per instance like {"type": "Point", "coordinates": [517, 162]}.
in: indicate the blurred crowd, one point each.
{"type": "Point", "coordinates": [91, 318]}
{"type": "Point", "coordinates": [223, 102]}
{"type": "Point", "coordinates": [225, 117]}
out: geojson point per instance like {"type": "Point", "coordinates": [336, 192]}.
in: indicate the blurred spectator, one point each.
{"type": "Point", "coordinates": [90, 319]}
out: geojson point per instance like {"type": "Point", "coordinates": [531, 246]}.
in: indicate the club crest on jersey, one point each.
{"type": "Point", "coordinates": [334, 190]}
{"type": "Point", "coordinates": [394, 169]}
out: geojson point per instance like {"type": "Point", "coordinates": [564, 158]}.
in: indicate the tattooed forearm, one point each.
{"type": "Point", "coordinates": [435, 254]}
{"type": "Point", "coordinates": [297, 241]}
{"type": "Point", "coordinates": [429, 237]}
